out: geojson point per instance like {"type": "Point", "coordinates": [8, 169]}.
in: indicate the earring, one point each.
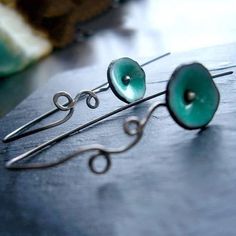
{"type": "Point", "coordinates": [126, 78]}
{"type": "Point", "coordinates": [191, 97]}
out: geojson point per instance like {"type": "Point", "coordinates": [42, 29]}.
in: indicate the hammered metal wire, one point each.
{"type": "Point", "coordinates": [68, 106]}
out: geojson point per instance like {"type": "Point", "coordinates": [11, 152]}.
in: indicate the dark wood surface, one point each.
{"type": "Point", "coordinates": [174, 182]}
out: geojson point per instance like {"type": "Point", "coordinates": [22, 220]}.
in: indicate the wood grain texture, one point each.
{"type": "Point", "coordinates": [174, 182]}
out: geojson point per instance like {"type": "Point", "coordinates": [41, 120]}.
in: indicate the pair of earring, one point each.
{"type": "Point", "coordinates": [191, 97]}
{"type": "Point", "coordinates": [126, 78]}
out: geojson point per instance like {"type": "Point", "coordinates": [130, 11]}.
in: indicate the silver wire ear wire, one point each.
{"type": "Point", "coordinates": [132, 127]}
{"type": "Point", "coordinates": [69, 106]}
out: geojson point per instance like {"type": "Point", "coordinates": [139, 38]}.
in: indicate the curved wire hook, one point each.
{"type": "Point", "coordinates": [20, 132]}
{"type": "Point", "coordinates": [133, 126]}
{"type": "Point", "coordinates": [68, 106]}
{"type": "Point", "coordinates": [101, 150]}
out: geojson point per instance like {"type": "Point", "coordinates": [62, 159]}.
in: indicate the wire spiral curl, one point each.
{"type": "Point", "coordinates": [133, 126]}
{"type": "Point", "coordinates": [70, 104]}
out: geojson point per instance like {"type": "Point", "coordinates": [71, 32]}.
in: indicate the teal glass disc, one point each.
{"type": "Point", "coordinates": [192, 96]}
{"type": "Point", "coordinates": [127, 79]}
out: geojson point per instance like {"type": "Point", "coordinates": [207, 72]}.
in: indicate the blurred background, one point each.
{"type": "Point", "coordinates": [140, 29]}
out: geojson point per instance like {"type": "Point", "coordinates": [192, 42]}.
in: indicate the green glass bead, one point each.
{"type": "Point", "coordinates": [127, 79]}
{"type": "Point", "coordinates": [192, 96]}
